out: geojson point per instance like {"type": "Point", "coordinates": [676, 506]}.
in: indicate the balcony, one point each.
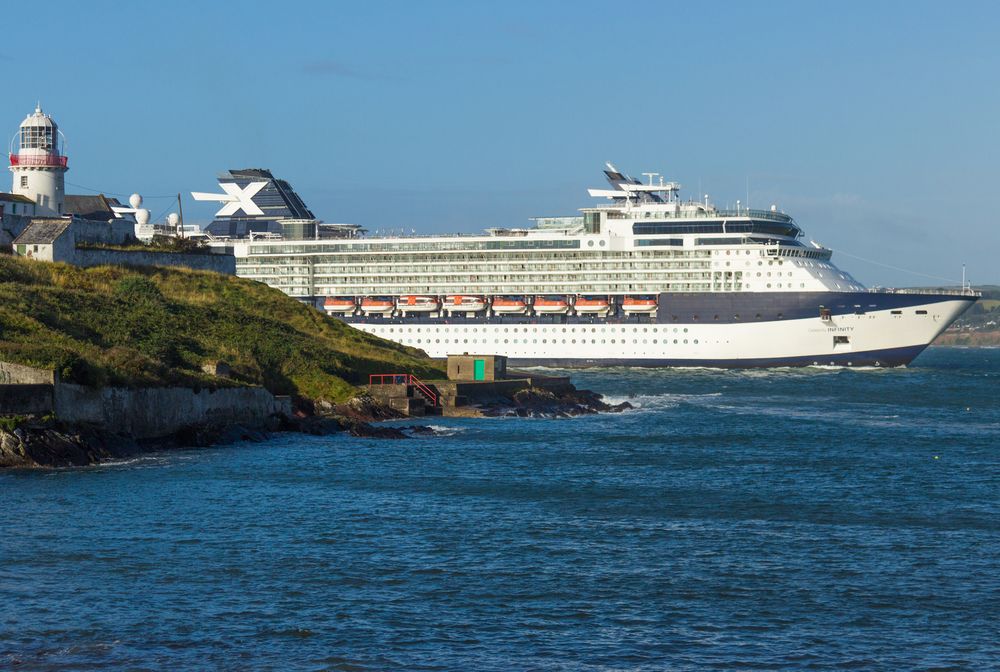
{"type": "Point", "coordinates": [47, 160]}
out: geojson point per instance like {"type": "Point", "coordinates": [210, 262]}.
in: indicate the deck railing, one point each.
{"type": "Point", "coordinates": [404, 379]}
{"type": "Point", "coordinates": [38, 160]}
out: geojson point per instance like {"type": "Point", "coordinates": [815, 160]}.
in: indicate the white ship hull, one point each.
{"type": "Point", "coordinates": [878, 338]}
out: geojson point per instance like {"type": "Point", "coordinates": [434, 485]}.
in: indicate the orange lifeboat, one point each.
{"type": "Point", "coordinates": [417, 304]}
{"type": "Point", "coordinates": [509, 305]}
{"type": "Point", "coordinates": [339, 304]}
{"type": "Point", "coordinates": [639, 304]}
{"type": "Point", "coordinates": [550, 305]}
{"type": "Point", "coordinates": [592, 304]}
{"type": "Point", "coordinates": [463, 303]}
{"type": "Point", "coordinates": [377, 305]}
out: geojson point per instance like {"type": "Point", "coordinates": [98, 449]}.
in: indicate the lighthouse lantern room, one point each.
{"type": "Point", "coordinates": [39, 164]}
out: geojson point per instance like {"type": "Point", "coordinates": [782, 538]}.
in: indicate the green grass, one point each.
{"type": "Point", "coordinates": [156, 326]}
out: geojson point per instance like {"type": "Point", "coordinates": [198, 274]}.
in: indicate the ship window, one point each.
{"type": "Point", "coordinates": [897, 312]}
{"type": "Point", "coordinates": [921, 312]}
{"type": "Point", "coordinates": [841, 340]}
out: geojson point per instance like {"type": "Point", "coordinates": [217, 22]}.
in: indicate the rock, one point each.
{"type": "Point", "coordinates": [536, 402]}
{"type": "Point", "coordinates": [420, 430]}
{"type": "Point", "coordinates": [369, 431]}
{"type": "Point", "coordinates": [366, 408]}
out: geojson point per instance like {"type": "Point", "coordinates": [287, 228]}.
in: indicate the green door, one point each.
{"type": "Point", "coordinates": [479, 370]}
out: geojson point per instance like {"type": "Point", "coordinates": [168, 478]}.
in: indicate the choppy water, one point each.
{"type": "Point", "coordinates": [786, 519]}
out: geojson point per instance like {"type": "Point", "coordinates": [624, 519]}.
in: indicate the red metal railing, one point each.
{"type": "Point", "coordinates": [404, 379]}
{"type": "Point", "coordinates": [42, 160]}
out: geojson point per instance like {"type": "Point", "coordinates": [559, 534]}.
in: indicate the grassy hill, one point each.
{"type": "Point", "coordinates": [154, 326]}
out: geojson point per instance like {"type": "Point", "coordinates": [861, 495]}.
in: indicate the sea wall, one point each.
{"type": "Point", "coordinates": [18, 374]}
{"type": "Point", "coordinates": [25, 399]}
{"type": "Point", "coordinates": [219, 263]}
{"type": "Point", "coordinates": [160, 411]}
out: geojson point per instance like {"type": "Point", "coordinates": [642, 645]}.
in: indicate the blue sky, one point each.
{"type": "Point", "coordinates": [877, 125]}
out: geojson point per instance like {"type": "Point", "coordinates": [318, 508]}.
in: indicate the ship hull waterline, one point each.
{"type": "Point", "coordinates": [888, 337]}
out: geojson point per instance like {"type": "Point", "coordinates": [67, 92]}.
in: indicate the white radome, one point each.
{"type": "Point", "coordinates": [135, 201]}
{"type": "Point", "coordinates": [142, 216]}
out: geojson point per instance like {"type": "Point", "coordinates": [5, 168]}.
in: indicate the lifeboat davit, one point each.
{"type": "Point", "coordinates": [339, 304]}
{"type": "Point", "coordinates": [377, 305]}
{"type": "Point", "coordinates": [639, 304]}
{"type": "Point", "coordinates": [463, 303]}
{"type": "Point", "coordinates": [551, 305]}
{"type": "Point", "coordinates": [509, 305]}
{"type": "Point", "coordinates": [590, 305]}
{"type": "Point", "coordinates": [417, 304]}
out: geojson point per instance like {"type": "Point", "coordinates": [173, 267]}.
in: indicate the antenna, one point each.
{"type": "Point", "coordinates": [748, 193]}
{"type": "Point", "coordinates": [650, 176]}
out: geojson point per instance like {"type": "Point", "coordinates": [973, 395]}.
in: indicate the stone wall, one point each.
{"type": "Point", "coordinates": [25, 399]}
{"type": "Point", "coordinates": [154, 412]}
{"type": "Point", "coordinates": [143, 413]}
{"type": "Point", "coordinates": [14, 374]}
{"type": "Point", "coordinates": [219, 263]}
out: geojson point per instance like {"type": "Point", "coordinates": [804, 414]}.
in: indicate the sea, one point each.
{"type": "Point", "coordinates": [784, 519]}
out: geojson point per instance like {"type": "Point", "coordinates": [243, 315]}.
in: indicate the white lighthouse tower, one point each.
{"type": "Point", "coordinates": [39, 164]}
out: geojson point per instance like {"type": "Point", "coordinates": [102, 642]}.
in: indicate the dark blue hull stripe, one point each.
{"type": "Point", "coordinates": [887, 357]}
{"type": "Point", "coordinates": [710, 308]}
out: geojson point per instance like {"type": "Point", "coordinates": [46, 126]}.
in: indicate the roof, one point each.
{"type": "Point", "coordinates": [15, 198]}
{"type": "Point", "coordinates": [42, 231]}
{"type": "Point", "coordinates": [89, 207]}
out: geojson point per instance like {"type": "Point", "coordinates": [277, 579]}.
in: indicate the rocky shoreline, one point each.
{"type": "Point", "coordinates": [48, 443]}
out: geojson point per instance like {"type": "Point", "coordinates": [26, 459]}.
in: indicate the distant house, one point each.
{"type": "Point", "coordinates": [47, 239]}
{"type": "Point", "coordinates": [16, 204]}
{"type": "Point", "coordinates": [96, 208]}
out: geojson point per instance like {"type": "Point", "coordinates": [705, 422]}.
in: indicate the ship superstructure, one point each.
{"type": "Point", "coordinates": [644, 278]}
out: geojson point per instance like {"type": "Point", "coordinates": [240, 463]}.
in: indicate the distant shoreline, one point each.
{"type": "Point", "coordinates": [975, 339]}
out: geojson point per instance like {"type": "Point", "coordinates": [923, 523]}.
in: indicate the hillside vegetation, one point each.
{"type": "Point", "coordinates": [156, 326]}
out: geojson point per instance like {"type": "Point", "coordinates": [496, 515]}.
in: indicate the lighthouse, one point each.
{"type": "Point", "coordinates": [39, 165]}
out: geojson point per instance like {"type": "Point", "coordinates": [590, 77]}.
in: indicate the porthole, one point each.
{"type": "Point", "coordinates": [675, 341]}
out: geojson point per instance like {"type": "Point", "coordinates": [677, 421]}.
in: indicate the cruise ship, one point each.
{"type": "Point", "coordinates": [639, 278]}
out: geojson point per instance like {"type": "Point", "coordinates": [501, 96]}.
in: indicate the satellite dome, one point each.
{"type": "Point", "coordinates": [173, 219]}
{"type": "Point", "coordinates": [135, 200]}
{"type": "Point", "coordinates": [142, 216]}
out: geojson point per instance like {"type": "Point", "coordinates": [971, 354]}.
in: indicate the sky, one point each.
{"type": "Point", "coordinates": [875, 124]}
